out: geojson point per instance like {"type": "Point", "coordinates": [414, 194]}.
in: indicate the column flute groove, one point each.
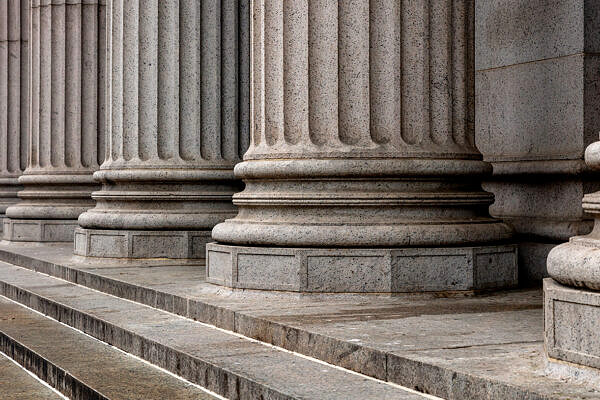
{"type": "Point", "coordinates": [14, 95]}
{"type": "Point", "coordinates": [357, 144]}
{"type": "Point", "coordinates": [174, 135]}
{"type": "Point", "coordinates": [66, 120]}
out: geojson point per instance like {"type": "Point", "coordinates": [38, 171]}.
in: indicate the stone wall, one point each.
{"type": "Point", "coordinates": [536, 111]}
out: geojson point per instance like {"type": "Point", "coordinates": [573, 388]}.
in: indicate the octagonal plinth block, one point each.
{"type": "Point", "coordinates": [140, 244]}
{"type": "Point", "coordinates": [353, 270]}
{"type": "Point", "coordinates": [38, 230]}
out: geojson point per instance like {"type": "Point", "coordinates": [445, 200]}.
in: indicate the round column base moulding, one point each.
{"type": "Point", "coordinates": [108, 243]}
{"type": "Point", "coordinates": [38, 230]}
{"type": "Point", "coordinates": [576, 263]}
{"type": "Point", "coordinates": [362, 270]}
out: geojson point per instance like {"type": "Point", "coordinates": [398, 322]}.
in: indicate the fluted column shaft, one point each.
{"type": "Point", "coordinates": [67, 59]}
{"type": "Point", "coordinates": [362, 138]}
{"type": "Point", "coordinates": [178, 123]}
{"type": "Point", "coordinates": [14, 95]}
{"type": "Point", "coordinates": [362, 117]}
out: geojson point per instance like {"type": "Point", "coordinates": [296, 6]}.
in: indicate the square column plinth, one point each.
{"type": "Point", "coordinates": [572, 324]}
{"type": "Point", "coordinates": [355, 270]}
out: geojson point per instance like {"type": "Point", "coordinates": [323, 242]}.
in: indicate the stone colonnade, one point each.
{"type": "Point", "coordinates": [361, 175]}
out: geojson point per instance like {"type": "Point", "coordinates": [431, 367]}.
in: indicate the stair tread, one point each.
{"type": "Point", "coordinates": [97, 365]}
{"type": "Point", "coordinates": [16, 384]}
{"type": "Point", "coordinates": [288, 374]}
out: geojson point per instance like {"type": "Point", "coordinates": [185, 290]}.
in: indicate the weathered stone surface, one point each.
{"type": "Point", "coordinates": [362, 270]}
{"type": "Point", "coordinates": [66, 117]}
{"type": "Point", "coordinates": [457, 342]}
{"type": "Point", "coordinates": [520, 31]}
{"type": "Point", "coordinates": [572, 318]}
{"type": "Point", "coordinates": [140, 244]}
{"type": "Point", "coordinates": [179, 105]}
{"type": "Point", "coordinates": [537, 108]}
{"type": "Point", "coordinates": [224, 363]}
{"type": "Point", "coordinates": [356, 144]}
{"type": "Point", "coordinates": [80, 367]}
{"type": "Point", "coordinates": [14, 98]}
{"type": "Point", "coordinates": [16, 384]}
{"type": "Point", "coordinates": [573, 311]}
{"type": "Point", "coordinates": [51, 230]}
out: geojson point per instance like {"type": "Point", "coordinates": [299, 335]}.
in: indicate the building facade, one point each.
{"type": "Point", "coordinates": [314, 146]}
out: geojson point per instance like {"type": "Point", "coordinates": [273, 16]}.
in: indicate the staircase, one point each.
{"type": "Point", "coordinates": [155, 329]}
{"type": "Point", "coordinates": [87, 344]}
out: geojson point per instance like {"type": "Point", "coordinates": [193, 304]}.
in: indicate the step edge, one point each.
{"type": "Point", "coordinates": [418, 382]}
{"type": "Point", "coordinates": [65, 314]}
{"type": "Point", "coordinates": [82, 390]}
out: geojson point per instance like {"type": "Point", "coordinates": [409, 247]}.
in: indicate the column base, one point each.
{"type": "Point", "coordinates": [572, 326]}
{"type": "Point", "coordinates": [140, 244]}
{"type": "Point", "coordinates": [38, 230]}
{"type": "Point", "coordinates": [355, 270]}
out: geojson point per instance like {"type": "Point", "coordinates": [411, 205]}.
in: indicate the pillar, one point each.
{"type": "Point", "coordinates": [14, 95]}
{"type": "Point", "coordinates": [66, 120]}
{"type": "Point", "coordinates": [536, 112]}
{"type": "Point", "coordinates": [572, 294]}
{"type": "Point", "coordinates": [362, 174]}
{"type": "Point", "coordinates": [178, 122]}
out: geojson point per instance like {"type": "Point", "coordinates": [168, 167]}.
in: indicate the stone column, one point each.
{"type": "Point", "coordinates": [536, 112]}
{"type": "Point", "coordinates": [14, 95]}
{"type": "Point", "coordinates": [362, 174]}
{"type": "Point", "coordinates": [572, 294]}
{"type": "Point", "coordinates": [67, 58]}
{"type": "Point", "coordinates": [178, 123]}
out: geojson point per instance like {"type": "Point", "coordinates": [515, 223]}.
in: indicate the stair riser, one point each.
{"type": "Point", "coordinates": [57, 378]}
{"type": "Point", "coordinates": [213, 378]}
{"type": "Point", "coordinates": [388, 367]}
{"type": "Point", "coordinates": [343, 354]}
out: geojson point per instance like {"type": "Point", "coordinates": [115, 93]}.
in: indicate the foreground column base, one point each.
{"type": "Point", "coordinates": [355, 270]}
{"type": "Point", "coordinates": [572, 324]}
{"type": "Point", "coordinates": [140, 244]}
{"type": "Point", "coordinates": [38, 230]}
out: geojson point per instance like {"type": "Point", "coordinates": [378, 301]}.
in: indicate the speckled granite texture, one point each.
{"type": "Point", "coordinates": [66, 123]}
{"type": "Point", "coordinates": [179, 101]}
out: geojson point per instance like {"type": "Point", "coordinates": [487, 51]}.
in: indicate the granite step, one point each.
{"type": "Point", "coordinates": [81, 367]}
{"type": "Point", "coordinates": [17, 384]}
{"type": "Point", "coordinates": [453, 346]}
{"type": "Point", "coordinates": [225, 363]}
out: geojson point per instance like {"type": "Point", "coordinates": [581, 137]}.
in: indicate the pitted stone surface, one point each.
{"type": "Point", "coordinates": [66, 127]}
{"type": "Point", "coordinates": [571, 328]}
{"type": "Point", "coordinates": [180, 106]}
{"type": "Point", "coordinates": [363, 138]}
{"type": "Point", "coordinates": [224, 363]}
{"type": "Point", "coordinates": [536, 110]}
{"type": "Point", "coordinates": [16, 384]}
{"type": "Point", "coordinates": [362, 270]}
{"type": "Point", "coordinates": [140, 244]}
{"type": "Point", "coordinates": [573, 310]}
{"type": "Point", "coordinates": [14, 98]}
{"type": "Point", "coordinates": [80, 367]}
{"type": "Point", "coordinates": [41, 230]}
{"type": "Point", "coordinates": [460, 347]}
